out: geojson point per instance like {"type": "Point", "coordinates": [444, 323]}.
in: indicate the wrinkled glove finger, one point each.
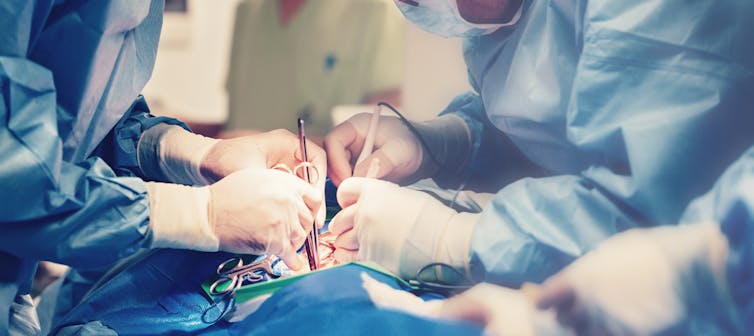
{"type": "Point", "coordinates": [291, 259]}
{"type": "Point", "coordinates": [347, 240]}
{"type": "Point", "coordinates": [350, 191]}
{"type": "Point", "coordinates": [344, 220]}
{"type": "Point", "coordinates": [345, 256]}
{"type": "Point", "coordinates": [556, 293]}
{"type": "Point", "coordinates": [339, 145]}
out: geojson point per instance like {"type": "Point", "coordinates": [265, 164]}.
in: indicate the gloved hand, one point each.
{"type": "Point", "coordinates": [252, 211]}
{"type": "Point", "coordinates": [402, 158]}
{"type": "Point", "coordinates": [401, 229]}
{"type": "Point", "coordinates": [170, 153]}
{"type": "Point", "coordinates": [644, 282]}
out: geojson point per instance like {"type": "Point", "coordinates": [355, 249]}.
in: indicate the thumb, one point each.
{"type": "Point", "coordinates": [377, 159]}
{"type": "Point", "coordinates": [321, 215]}
{"type": "Point", "coordinates": [291, 258]}
{"type": "Point", "coordinates": [556, 293]}
{"type": "Point", "coordinates": [350, 191]}
{"type": "Point", "coordinates": [312, 198]}
{"type": "Point", "coordinates": [340, 144]}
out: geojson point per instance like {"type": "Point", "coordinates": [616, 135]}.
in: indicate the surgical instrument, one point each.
{"type": "Point", "coordinates": [310, 246]}
{"type": "Point", "coordinates": [233, 273]}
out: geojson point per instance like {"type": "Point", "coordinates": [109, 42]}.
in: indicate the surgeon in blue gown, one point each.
{"type": "Point", "coordinates": [78, 142]}
{"type": "Point", "coordinates": [587, 118]}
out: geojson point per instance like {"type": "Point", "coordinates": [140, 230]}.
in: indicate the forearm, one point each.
{"type": "Point", "coordinates": [171, 154]}
{"type": "Point", "coordinates": [90, 220]}
{"type": "Point", "coordinates": [535, 227]}
{"type": "Point", "coordinates": [120, 147]}
{"type": "Point", "coordinates": [77, 214]}
{"type": "Point", "coordinates": [486, 159]}
{"type": "Point", "coordinates": [447, 146]}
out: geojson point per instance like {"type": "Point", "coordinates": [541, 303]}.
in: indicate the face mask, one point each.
{"type": "Point", "coordinates": [441, 17]}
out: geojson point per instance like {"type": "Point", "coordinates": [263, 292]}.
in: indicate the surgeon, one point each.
{"type": "Point", "coordinates": [587, 119]}
{"type": "Point", "coordinates": [78, 143]}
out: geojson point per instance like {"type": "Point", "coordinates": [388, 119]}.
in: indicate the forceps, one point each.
{"type": "Point", "coordinates": [306, 168]}
{"type": "Point", "coordinates": [233, 273]}
{"type": "Point", "coordinates": [311, 245]}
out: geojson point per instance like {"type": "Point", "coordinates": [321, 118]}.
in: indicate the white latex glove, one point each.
{"type": "Point", "coordinates": [252, 211]}
{"type": "Point", "coordinates": [401, 229]}
{"type": "Point", "coordinates": [643, 282]}
{"type": "Point", "coordinates": [400, 153]}
{"type": "Point", "coordinates": [171, 153]}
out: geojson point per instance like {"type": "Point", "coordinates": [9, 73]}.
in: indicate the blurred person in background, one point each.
{"type": "Point", "coordinates": [301, 58]}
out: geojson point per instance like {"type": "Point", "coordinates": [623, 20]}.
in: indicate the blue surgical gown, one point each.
{"type": "Point", "coordinates": [70, 117]}
{"type": "Point", "coordinates": [628, 108]}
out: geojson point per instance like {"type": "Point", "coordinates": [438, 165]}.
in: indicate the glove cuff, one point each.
{"type": "Point", "coordinates": [449, 140]}
{"type": "Point", "coordinates": [454, 247]}
{"type": "Point", "coordinates": [179, 217]}
{"type": "Point", "coordinates": [440, 235]}
{"type": "Point", "coordinates": [172, 154]}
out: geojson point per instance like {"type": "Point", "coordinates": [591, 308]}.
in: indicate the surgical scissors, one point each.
{"type": "Point", "coordinates": [233, 273]}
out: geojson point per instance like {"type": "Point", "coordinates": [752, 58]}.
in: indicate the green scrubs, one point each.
{"type": "Point", "coordinates": [332, 52]}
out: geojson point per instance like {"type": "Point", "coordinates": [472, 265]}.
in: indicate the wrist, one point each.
{"type": "Point", "coordinates": [179, 217]}
{"type": "Point", "coordinates": [148, 152]}
{"type": "Point", "coordinates": [441, 235]}
{"type": "Point", "coordinates": [716, 253]}
{"type": "Point", "coordinates": [172, 154]}
{"type": "Point", "coordinates": [711, 253]}
{"type": "Point", "coordinates": [449, 141]}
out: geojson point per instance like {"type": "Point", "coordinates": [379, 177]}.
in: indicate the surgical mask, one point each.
{"type": "Point", "coordinates": [441, 17]}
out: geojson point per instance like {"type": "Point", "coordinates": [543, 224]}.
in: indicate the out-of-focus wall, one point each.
{"type": "Point", "coordinates": [191, 69]}
{"type": "Point", "coordinates": [435, 73]}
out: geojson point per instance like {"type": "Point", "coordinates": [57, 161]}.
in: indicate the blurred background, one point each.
{"type": "Point", "coordinates": [235, 66]}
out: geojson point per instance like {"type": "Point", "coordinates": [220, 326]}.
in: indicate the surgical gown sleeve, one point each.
{"type": "Point", "coordinates": [731, 204]}
{"type": "Point", "coordinates": [660, 104]}
{"type": "Point", "coordinates": [119, 147]}
{"type": "Point", "coordinates": [81, 213]}
{"type": "Point", "coordinates": [494, 160]}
